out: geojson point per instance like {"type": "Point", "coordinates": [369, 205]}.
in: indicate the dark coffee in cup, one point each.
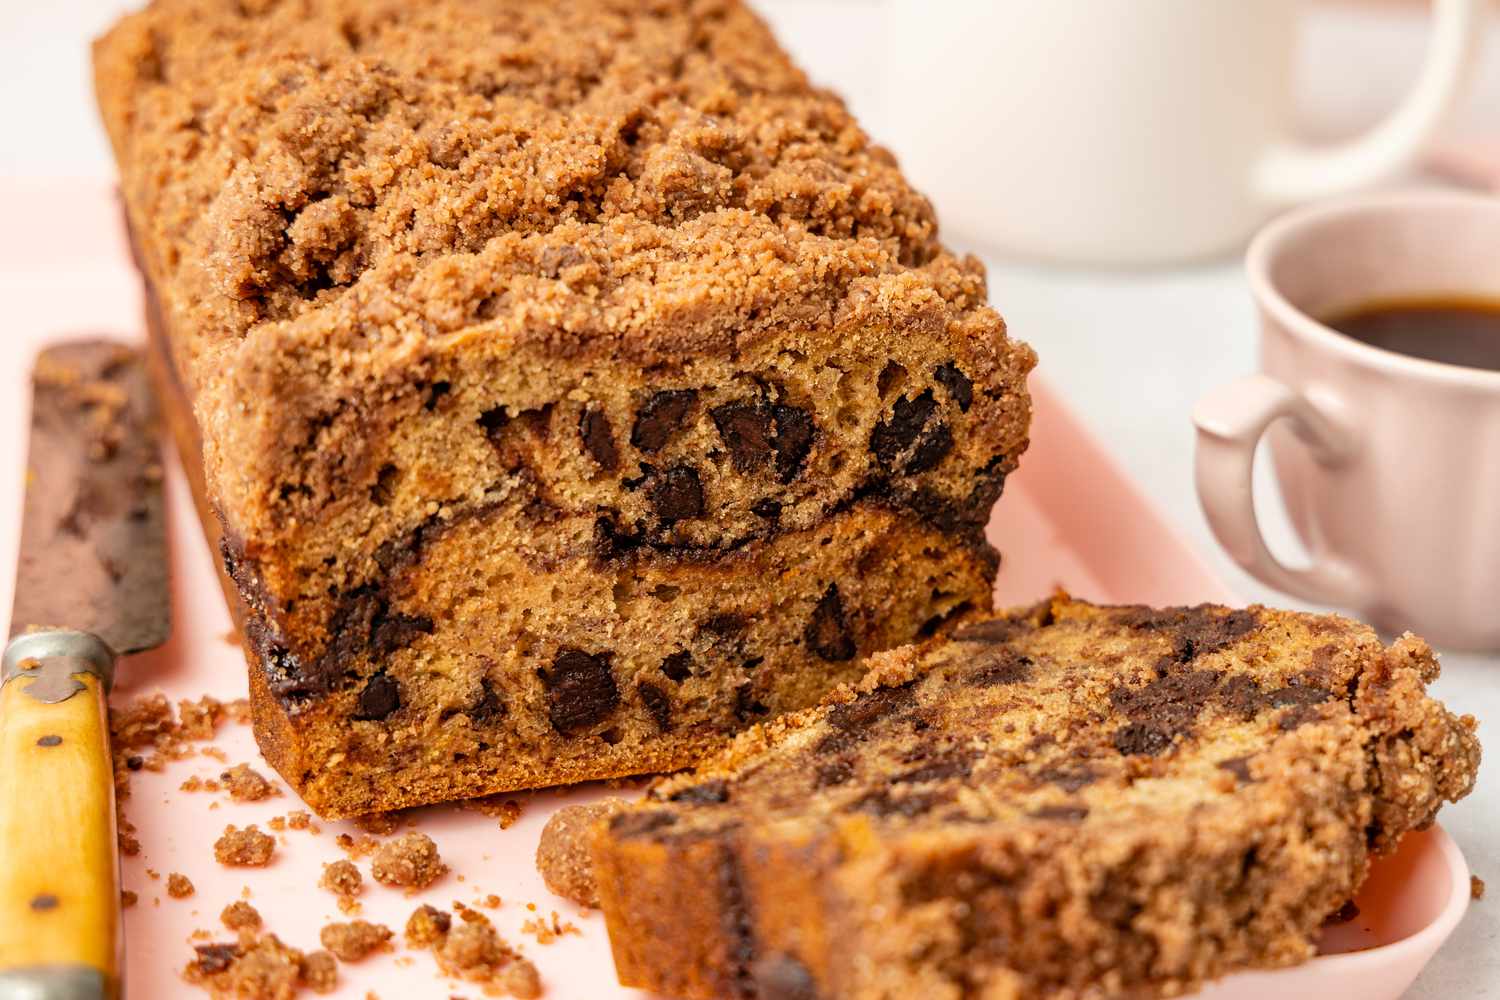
{"type": "Point", "coordinates": [1455, 331]}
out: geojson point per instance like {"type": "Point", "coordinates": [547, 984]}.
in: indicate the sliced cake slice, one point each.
{"type": "Point", "coordinates": [1069, 801]}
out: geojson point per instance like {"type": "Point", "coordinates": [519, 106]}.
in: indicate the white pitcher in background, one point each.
{"type": "Point", "coordinates": [1131, 131]}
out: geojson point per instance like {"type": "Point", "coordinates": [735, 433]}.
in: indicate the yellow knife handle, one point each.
{"type": "Point", "coordinates": [59, 859]}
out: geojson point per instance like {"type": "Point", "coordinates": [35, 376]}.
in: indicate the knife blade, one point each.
{"type": "Point", "coordinates": [93, 545]}
{"type": "Point", "coordinates": [91, 583]}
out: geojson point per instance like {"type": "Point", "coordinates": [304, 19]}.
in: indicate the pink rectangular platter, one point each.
{"type": "Point", "coordinates": [66, 271]}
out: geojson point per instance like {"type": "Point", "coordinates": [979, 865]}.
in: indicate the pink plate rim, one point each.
{"type": "Point", "coordinates": [1423, 943]}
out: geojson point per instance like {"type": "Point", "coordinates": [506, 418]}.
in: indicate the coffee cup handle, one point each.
{"type": "Point", "coordinates": [1231, 422]}
{"type": "Point", "coordinates": [1292, 173]}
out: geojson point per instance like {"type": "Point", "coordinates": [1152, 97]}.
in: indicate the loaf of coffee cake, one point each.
{"type": "Point", "coordinates": [1066, 802]}
{"type": "Point", "coordinates": [575, 383]}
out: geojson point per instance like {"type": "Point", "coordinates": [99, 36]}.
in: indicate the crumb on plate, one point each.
{"type": "Point", "coordinates": [409, 861]}
{"type": "Point", "coordinates": [352, 941]}
{"type": "Point", "coordinates": [244, 848]}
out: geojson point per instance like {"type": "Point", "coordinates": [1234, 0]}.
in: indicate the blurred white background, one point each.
{"type": "Point", "coordinates": [1356, 60]}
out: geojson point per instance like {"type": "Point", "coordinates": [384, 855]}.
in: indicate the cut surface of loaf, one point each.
{"type": "Point", "coordinates": [1069, 801]}
{"type": "Point", "coordinates": [574, 383]}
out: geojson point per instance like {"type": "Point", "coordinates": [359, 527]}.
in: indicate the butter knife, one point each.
{"type": "Point", "coordinates": [91, 585]}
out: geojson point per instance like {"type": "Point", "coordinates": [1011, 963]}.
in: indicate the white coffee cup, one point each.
{"type": "Point", "coordinates": [1130, 131]}
{"type": "Point", "coordinates": [1389, 464]}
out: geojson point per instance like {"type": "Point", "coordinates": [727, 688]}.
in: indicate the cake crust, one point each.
{"type": "Point", "coordinates": [1069, 801]}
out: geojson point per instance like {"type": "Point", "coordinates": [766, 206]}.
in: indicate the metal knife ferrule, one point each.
{"type": "Point", "coordinates": [52, 657]}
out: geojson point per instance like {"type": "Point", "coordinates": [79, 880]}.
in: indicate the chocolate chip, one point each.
{"type": "Point", "coordinates": [993, 630]}
{"type": "Point", "coordinates": [398, 553]}
{"type": "Point", "coordinates": [598, 437]}
{"type": "Point", "coordinates": [678, 667]}
{"type": "Point", "coordinates": [1139, 738]}
{"type": "Point", "coordinates": [1170, 703]}
{"type": "Point", "coordinates": [755, 432]}
{"type": "Point", "coordinates": [736, 923]}
{"type": "Point", "coordinates": [638, 823]}
{"type": "Point", "coordinates": [1241, 695]}
{"type": "Point", "coordinates": [783, 977]}
{"type": "Point", "coordinates": [960, 388]}
{"type": "Point", "coordinates": [135, 762]}
{"type": "Point", "coordinates": [794, 439]}
{"type": "Point", "coordinates": [1298, 694]}
{"type": "Point", "coordinates": [1297, 716]}
{"type": "Point", "coordinates": [489, 704]}
{"type": "Point", "coordinates": [747, 430]}
{"type": "Point", "coordinates": [746, 705]}
{"type": "Point", "coordinates": [362, 623]}
{"type": "Point", "coordinates": [827, 633]}
{"type": "Point", "coordinates": [657, 703]}
{"type": "Point", "coordinates": [676, 494]}
{"type": "Point", "coordinates": [1196, 631]}
{"type": "Point", "coordinates": [955, 765]}
{"type": "Point", "coordinates": [832, 774]}
{"type": "Point", "coordinates": [611, 539]}
{"type": "Point", "coordinates": [50, 740]}
{"type": "Point", "coordinates": [44, 901]}
{"type": "Point", "coordinates": [872, 706]}
{"type": "Point", "coordinates": [392, 631]}
{"type": "Point", "coordinates": [931, 449]}
{"type": "Point", "coordinates": [725, 624]}
{"type": "Point", "coordinates": [768, 509]}
{"type": "Point", "coordinates": [837, 742]}
{"type": "Point", "coordinates": [513, 435]}
{"type": "Point", "coordinates": [1003, 666]}
{"type": "Point", "coordinates": [380, 697]}
{"type": "Point", "coordinates": [215, 958]}
{"type": "Point", "coordinates": [660, 417]}
{"type": "Point", "coordinates": [580, 689]}
{"type": "Point", "coordinates": [1068, 779]}
{"type": "Point", "coordinates": [1237, 766]}
{"type": "Point", "coordinates": [890, 438]}
{"type": "Point", "coordinates": [884, 803]}
{"type": "Point", "coordinates": [964, 520]}
{"type": "Point", "coordinates": [1064, 814]}
{"type": "Point", "coordinates": [349, 628]}
{"type": "Point", "coordinates": [708, 793]}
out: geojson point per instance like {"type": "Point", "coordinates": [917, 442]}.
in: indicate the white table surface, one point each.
{"type": "Point", "coordinates": [1132, 350]}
